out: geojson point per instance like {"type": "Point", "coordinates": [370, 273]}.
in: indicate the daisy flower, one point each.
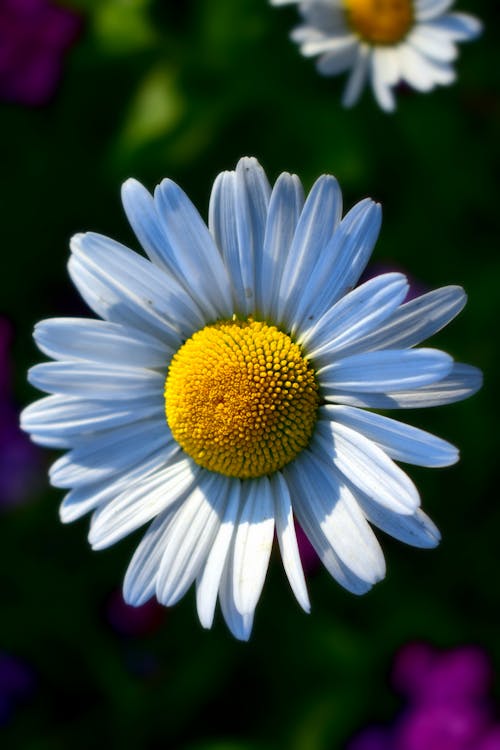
{"type": "Point", "coordinates": [226, 390]}
{"type": "Point", "coordinates": [385, 41]}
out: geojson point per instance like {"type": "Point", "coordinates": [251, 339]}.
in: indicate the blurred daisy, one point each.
{"type": "Point", "coordinates": [225, 390]}
{"type": "Point", "coordinates": [385, 41]}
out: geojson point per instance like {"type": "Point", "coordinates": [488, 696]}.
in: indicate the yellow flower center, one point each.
{"type": "Point", "coordinates": [241, 399]}
{"type": "Point", "coordinates": [380, 21]}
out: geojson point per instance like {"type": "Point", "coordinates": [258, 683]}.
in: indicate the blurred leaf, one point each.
{"type": "Point", "coordinates": [155, 111]}
{"type": "Point", "coordinates": [123, 26]}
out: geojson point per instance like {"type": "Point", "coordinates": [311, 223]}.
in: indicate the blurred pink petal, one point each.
{"type": "Point", "coordinates": [133, 621]}
{"type": "Point", "coordinates": [34, 37]}
{"type": "Point", "coordinates": [310, 560]}
{"type": "Point", "coordinates": [448, 706]}
{"type": "Point", "coordinates": [491, 741]}
{"type": "Point", "coordinates": [425, 675]}
{"type": "Point", "coordinates": [441, 727]}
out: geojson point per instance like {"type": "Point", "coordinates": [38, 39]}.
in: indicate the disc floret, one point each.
{"type": "Point", "coordinates": [241, 399]}
{"type": "Point", "coordinates": [380, 21]}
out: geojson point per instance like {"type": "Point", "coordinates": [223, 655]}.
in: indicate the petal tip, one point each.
{"type": "Point", "coordinates": [130, 185]}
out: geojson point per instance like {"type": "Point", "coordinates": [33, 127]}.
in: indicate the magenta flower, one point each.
{"type": "Point", "coordinates": [34, 36]}
{"type": "Point", "coordinates": [448, 706]}
{"type": "Point", "coordinates": [442, 727]}
{"type": "Point", "coordinates": [308, 555]}
{"type": "Point", "coordinates": [460, 676]}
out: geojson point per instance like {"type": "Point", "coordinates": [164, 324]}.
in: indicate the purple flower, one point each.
{"type": "Point", "coordinates": [441, 727]}
{"type": "Point", "coordinates": [5, 369]}
{"type": "Point", "coordinates": [448, 706]}
{"type": "Point", "coordinates": [373, 738]}
{"type": "Point", "coordinates": [491, 741]}
{"type": "Point", "coordinates": [428, 676]}
{"type": "Point", "coordinates": [19, 458]}
{"type": "Point", "coordinates": [308, 556]}
{"type": "Point", "coordinates": [34, 36]}
{"type": "Point", "coordinates": [17, 682]}
{"type": "Point", "coordinates": [133, 621]}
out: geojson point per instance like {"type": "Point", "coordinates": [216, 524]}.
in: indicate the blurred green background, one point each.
{"type": "Point", "coordinates": [156, 88]}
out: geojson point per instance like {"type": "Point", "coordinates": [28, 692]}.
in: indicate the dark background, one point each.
{"type": "Point", "coordinates": [164, 88]}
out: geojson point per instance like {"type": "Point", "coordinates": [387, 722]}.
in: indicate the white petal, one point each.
{"type": "Point", "coordinates": [325, 552]}
{"type": "Point", "coordinates": [252, 544]}
{"type": "Point", "coordinates": [239, 624]}
{"type": "Point", "coordinates": [357, 78]}
{"type": "Point", "coordinates": [140, 579]}
{"type": "Point", "coordinates": [209, 579]}
{"type": "Point", "coordinates": [462, 382]}
{"type": "Point", "coordinates": [366, 466]}
{"type": "Point", "coordinates": [195, 257]}
{"type": "Point", "coordinates": [65, 419]}
{"type": "Point", "coordinates": [76, 339]}
{"type": "Point", "coordinates": [460, 27]}
{"type": "Point", "coordinates": [95, 381]}
{"type": "Point", "coordinates": [48, 440]}
{"type": "Point", "coordinates": [432, 44]}
{"type": "Point", "coordinates": [238, 213]}
{"type": "Point", "coordinates": [400, 441]}
{"type": "Point", "coordinates": [83, 500]}
{"type": "Point", "coordinates": [423, 73]}
{"type": "Point", "coordinates": [353, 316]}
{"type": "Point", "coordinates": [145, 222]}
{"type": "Point", "coordinates": [316, 502]}
{"type": "Point", "coordinates": [125, 288]}
{"type": "Point", "coordinates": [320, 215]}
{"type": "Point", "coordinates": [425, 9]}
{"type": "Point", "coordinates": [285, 206]}
{"type": "Point", "coordinates": [141, 503]}
{"type": "Point", "coordinates": [416, 529]}
{"type": "Point", "coordinates": [336, 512]}
{"type": "Point", "coordinates": [333, 63]}
{"type": "Point", "coordinates": [386, 370]}
{"type": "Point", "coordinates": [339, 265]}
{"type": "Point", "coordinates": [414, 71]}
{"type": "Point", "coordinates": [328, 17]}
{"type": "Point", "coordinates": [285, 531]}
{"type": "Point", "coordinates": [190, 536]}
{"type": "Point", "coordinates": [316, 41]}
{"type": "Point", "coordinates": [414, 321]}
{"type": "Point", "coordinates": [88, 497]}
{"type": "Point", "coordinates": [176, 239]}
{"type": "Point", "coordinates": [381, 78]}
{"type": "Point", "coordinates": [99, 457]}
{"type": "Point", "coordinates": [387, 64]}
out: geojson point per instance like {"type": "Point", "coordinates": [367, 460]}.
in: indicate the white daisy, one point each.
{"type": "Point", "coordinates": [385, 41]}
{"type": "Point", "coordinates": [224, 391]}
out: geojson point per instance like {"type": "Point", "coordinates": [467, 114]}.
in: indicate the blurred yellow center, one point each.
{"type": "Point", "coordinates": [241, 399]}
{"type": "Point", "coordinates": [380, 21]}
